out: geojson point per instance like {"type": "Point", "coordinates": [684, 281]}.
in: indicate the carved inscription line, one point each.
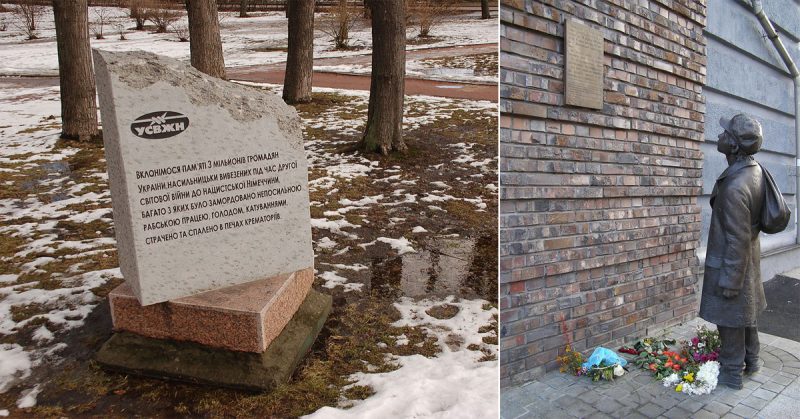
{"type": "Point", "coordinates": [185, 168]}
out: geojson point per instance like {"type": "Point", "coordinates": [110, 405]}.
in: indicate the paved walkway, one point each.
{"type": "Point", "coordinates": [413, 86]}
{"type": "Point", "coordinates": [274, 73]}
{"type": "Point", "coordinates": [774, 392]}
{"type": "Point", "coordinates": [366, 58]}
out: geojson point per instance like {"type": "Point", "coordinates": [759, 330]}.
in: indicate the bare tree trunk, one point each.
{"type": "Point", "coordinates": [136, 11]}
{"type": "Point", "coordinates": [78, 105]}
{"type": "Point", "coordinates": [242, 8]}
{"type": "Point", "coordinates": [367, 14]}
{"type": "Point", "coordinates": [384, 131]}
{"type": "Point", "coordinates": [485, 10]}
{"type": "Point", "coordinates": [300, 59]}
{"type": "Point", "coordinates": [205, 45]}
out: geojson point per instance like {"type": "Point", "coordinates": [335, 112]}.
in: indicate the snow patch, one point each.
{"type": "Point", "coordinates": [6, 278]}
{"type": "Point", "coordinates": [326, 243]}
{"type": "Point", "coordinates": [43, 334]}
{"type": "Point", "coordinates": [28, 398]}
{"type": "Point", "coordinates": [15, 364]}
{"type": "Point", "coordinates": [402, 245]}
{"type": "Point", "coordinates": [335, 226]}
{"type": "Point", "coordinates": [452, 384]}
{"type": "Point", "coordinates": [332, 280]}
{"type": "Point", "coordinates": [357, 267]}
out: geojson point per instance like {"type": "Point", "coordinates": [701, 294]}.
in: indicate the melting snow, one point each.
{"type": "Point", "coordinates": [453, 384]}
{"type": "Point", "coordinates": [332, 280]}
{"type": "Point", "coordinates": [28, 398]}
{"type": "Point", "coordinates": [15, 364]}
{"type": "Point", "coordinates": [402, 244]}
{"type": "Point", "coordinates": [326, 243]}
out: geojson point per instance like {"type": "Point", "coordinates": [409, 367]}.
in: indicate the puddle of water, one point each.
{"type": "Point", "coordinates": [439, 270]}
{"type": "Point", "coordinates": [58, 167]}
{"type": "Point", "coordinates": [51, 170]}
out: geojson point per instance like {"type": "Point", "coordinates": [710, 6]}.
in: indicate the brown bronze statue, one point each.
{"type": "Point", "coordinates": [733, 295]}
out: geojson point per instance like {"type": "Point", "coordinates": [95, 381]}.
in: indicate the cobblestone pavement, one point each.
{"type": "Point", "coordinates": [774, 392]}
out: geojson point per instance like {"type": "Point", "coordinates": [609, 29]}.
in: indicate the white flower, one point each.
{"type": "Point", "coordinates": [701, 345]}
{"type": "Point", "coordinates": [705, 380]}
{"type": "Point", "coordinates": [672, 380]}
{"type": "Point", "coordinates": [618, 370]}
{"type": "Point", "coordinates": [708, 374]}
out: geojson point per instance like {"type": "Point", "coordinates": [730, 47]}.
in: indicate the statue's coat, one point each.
{"type": "Point", "coordinates": [733, 256]}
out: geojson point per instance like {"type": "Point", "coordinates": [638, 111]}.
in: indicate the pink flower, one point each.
{"type": "Point", "coordinates": [695, 341]}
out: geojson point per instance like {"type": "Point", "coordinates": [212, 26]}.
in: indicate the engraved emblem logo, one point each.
{"type": "Point", "coordinates": [159, 125]}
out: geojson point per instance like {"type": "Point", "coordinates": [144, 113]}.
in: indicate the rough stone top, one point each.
{"type": "Point", "coordinates": [140, 69]}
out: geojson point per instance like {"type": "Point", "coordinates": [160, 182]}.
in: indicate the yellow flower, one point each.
{"type": "Point", "coordinates": [679, 388]}
{"type": "Point", "coordinates": [689, 377]}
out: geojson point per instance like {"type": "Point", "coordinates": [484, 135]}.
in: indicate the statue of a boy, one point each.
{"type": "Point", "coordinates": [733, 295]}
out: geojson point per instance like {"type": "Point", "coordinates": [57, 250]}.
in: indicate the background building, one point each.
{"type": "Point", "coordinates": [746, 74]}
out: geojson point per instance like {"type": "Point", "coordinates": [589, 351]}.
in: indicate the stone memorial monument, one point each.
{"type": "Point", "coordinates": [209, 189]}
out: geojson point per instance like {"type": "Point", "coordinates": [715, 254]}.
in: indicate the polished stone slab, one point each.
{"type": "Point", "coordinates": [244, 317]}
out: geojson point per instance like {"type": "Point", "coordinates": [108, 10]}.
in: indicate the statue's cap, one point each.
{"type": "Point", "coordinates": [746, 130]}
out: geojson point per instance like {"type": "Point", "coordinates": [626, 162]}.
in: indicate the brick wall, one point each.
{"type": "Point", "coordinates": [599, 218]}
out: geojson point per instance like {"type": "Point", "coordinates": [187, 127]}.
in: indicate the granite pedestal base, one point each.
{"type": "Point", "coordinates": [195, 363]}
{"type": "Point", "coordinates": [244, 317]}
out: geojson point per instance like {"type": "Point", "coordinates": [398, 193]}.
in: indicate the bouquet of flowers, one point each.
{"type": "Point", "coordinates": [701, 381]}
{"type": "Point", "coordinates": [571, 362]}
{"type": "Point", "coordinates": [602, 365]}
{"type": "Point", "coordinates": [653, 354]}
{"type": "Point", "coordinates": [604, 371]}
{"type": "Point", "coordinates": [704, 347]}
{"type": "Point", "coordinates": [650, 345]}
{"type": "Point", "coordinates": [662, 363]}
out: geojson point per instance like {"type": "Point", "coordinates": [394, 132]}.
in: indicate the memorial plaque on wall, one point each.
{"type": "Point", "coordinates": [209, 180]}
{"type": "Point", "coordinates": [584, 62]}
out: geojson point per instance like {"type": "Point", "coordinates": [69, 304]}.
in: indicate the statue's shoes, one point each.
{"type": "Point", "coordinates": [753, 367]}
{"type": "Point", "coordinates": [730, 380]}
{"type": "Point", "coordinates": [732, 384]}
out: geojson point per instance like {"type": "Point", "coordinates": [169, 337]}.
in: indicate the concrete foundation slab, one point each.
{"type": "Point", "coordinates": [195, 363]}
